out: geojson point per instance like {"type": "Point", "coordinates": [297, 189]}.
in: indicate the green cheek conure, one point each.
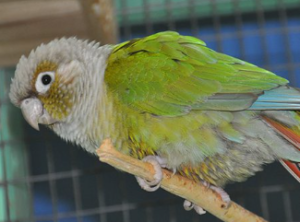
{"type": "Point", "coordinates": [205, 115]}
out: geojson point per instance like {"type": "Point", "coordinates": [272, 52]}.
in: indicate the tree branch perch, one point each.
{"type": "Point", "coordinates": [178, 185]}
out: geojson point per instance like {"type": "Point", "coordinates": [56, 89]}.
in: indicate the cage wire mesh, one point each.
{"type": "Point", "coordinates": [44, 179]}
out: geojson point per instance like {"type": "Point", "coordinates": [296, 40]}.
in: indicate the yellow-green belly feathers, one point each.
{"type": "Point", "coordinates": [217, 147]}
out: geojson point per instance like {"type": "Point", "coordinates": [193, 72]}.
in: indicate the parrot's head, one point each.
{"type": "Point", "coordinates": [57, 81]}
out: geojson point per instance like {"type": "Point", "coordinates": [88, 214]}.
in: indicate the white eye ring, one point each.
{"type": "Point", "coordinates": [44, 81]}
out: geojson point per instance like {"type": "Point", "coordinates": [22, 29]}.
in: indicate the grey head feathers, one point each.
{"type": "Point", "coordinates": [59, 51]}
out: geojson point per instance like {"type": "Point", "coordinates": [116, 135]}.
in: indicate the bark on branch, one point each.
{"type": "Point", "coordinates": [178, 185]}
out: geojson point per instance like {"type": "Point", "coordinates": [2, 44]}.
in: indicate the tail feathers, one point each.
{"type": "Point", "coordinates": [293, 137]}
{"type": "Point", "coordinates": [292, 168]}
{"type": "Point", "coordinates": [281, 98]}
{"type": "Point", "coordinates": [286, 132]}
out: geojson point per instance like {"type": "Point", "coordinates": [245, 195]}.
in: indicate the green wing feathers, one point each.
{"type": "Point", "coordinates": [169, 74]}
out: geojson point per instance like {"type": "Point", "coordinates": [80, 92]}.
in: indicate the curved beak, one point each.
{"type": "Point", "coordinates": [34, 113]}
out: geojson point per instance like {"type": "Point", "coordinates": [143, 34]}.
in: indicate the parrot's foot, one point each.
{"type": "Point", "coordinates": [157, 163]}
{"type": "Point", "coordinates": [187, 205]}
{"type": "Point", "coordinates": [225, 196]}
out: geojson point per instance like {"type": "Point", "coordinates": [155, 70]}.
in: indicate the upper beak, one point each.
{"type": "Point", "coordinates": [34, 113]}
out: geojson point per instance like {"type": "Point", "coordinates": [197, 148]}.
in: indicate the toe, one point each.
{"type": "Point", "coordinates": [225, 197]}
{"type": "Point", "coordinates": [145, 186]}
{"type": "Point", "coordinates": [153, 185]}
{"type": "Point", "coordinates": [199, 210]}
{"type": "Point", "coordinates": [187, 205]}
{"type": "Point", "coordinates": [158, 171]}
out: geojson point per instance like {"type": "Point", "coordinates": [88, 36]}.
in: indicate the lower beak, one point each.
{"type": "Point", "coordinates": [34, 113]}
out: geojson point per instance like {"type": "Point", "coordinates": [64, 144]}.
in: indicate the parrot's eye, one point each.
{"type": "Point", "coordinates": [44, 81]}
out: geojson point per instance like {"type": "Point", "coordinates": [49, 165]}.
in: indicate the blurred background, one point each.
{"type": "Point", "coordinates": [44, 179]}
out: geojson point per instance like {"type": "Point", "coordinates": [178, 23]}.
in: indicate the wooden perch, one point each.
{"type": "Point", "coordinates": [101, 20]}
{"type": "Point", "coordinates": [178, 185]}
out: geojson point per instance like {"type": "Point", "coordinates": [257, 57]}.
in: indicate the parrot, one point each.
{"type": "Point", "coordinates": [166, 99]}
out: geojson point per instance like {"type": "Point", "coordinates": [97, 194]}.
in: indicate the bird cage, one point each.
{"type": "Point", "coordinates": [42, 178]}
